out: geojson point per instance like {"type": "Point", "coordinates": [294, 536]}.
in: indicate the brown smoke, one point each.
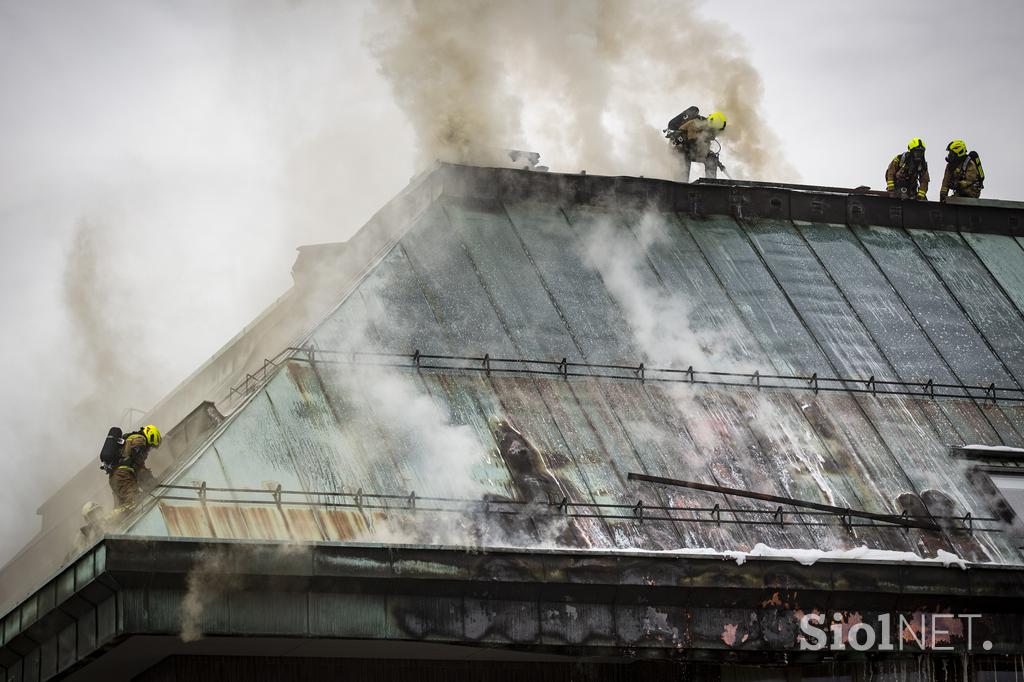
{"type": "Point", "coordinates": [216, 573]}
{"type": "Point", "coordinates": [221, 570]}
{"type": "Point", "coordinates": [589, 83]}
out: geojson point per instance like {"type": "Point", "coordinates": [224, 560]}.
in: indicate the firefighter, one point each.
{"type": "Point", "coordinates": [964, 174]}
{"type": "Point", "coordinates": [131, 471]}
{"type": "Point", "coordinates": [693, 138]}
{"type": "Point", "coordinates": [907, 174]}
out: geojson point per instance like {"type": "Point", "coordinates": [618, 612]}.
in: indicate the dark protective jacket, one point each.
{"type": "Point", "coordinates": [134, 451]}
{"type": "Point", "coordinates": [908, 172]}
{"type": "Point", "coordinates": [130, 472]}
{"type": "Point", "coordinates": [963, 178]}
{"type": "Point", "coordinates": [697, 136]}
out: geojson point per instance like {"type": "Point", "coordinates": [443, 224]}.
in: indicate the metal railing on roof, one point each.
{"type": "Point", "coordinates": [253, 380]}
{"type": "Point", "coordinates": [639, 512]}
{"type": "Point", "coordinates": [564, 368]}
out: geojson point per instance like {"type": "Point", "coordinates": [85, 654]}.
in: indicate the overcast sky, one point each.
{"type": "Point", "coordinates": [203, 141]}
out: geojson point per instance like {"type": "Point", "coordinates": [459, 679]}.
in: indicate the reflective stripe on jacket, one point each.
{"type": "Point", "coordinates": [903, 172]}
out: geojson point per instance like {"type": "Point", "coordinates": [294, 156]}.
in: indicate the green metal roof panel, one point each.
{"type": "Point", "coordinates": [983, 300]}
{"type": "Point", "coordinates": [1004, 260]}
{"type": "Point", "coordinates": [592, 318]}
{"type": "Point", "coordinates": [763, 306]}
{"type": "Point", "coordinates": [933, 306]}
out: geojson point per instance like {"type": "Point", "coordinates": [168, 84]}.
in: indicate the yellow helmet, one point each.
{"type": "Point", "coordinates": [152, 435]}
{"type": "Point", "coordinates": [917, 142]}
{"type": "Point", "coordinates": [957, 148]}
{"type": "Point", "coordinates": [717, 120]}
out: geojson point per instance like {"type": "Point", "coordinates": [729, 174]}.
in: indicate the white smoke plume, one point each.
{"type": "Point", "coordinates": [434, 454]}
{"type": "Point", "coordinates": [441, 454]}
{"type": "Point", "coordinates": [662, 321]}
{"type": "Point", "coordinates": [588, 83]}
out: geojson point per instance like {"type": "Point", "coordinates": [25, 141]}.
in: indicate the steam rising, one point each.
{"type": "Point", "coordinates": [588, 83]}
{"type": "Point", "coordinates": [662, 322]}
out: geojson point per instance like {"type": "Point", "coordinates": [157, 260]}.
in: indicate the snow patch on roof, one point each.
{"type": "Point", "coordinates": [808, 557]}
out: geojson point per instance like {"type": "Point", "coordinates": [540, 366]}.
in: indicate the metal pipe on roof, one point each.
{"type": "Point", "coordinates": [778, 499]}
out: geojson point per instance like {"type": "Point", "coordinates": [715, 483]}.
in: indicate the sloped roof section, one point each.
{"type": "Point", "coordinates": [532, 339]}
{"type": "Point", "coordinates": [322, 274]}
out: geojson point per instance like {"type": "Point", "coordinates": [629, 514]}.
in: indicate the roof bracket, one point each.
{"type": "Point", "coordinates": [716, 513]}
{"type": "Point", "coordinates": [202, 492]}
{"type": "Point", "coordinates": [870, 385]}
{"type": "Point", "coordinates": [412, 500]}
{"type": "Point", "coordinates": [563, 368]}
{"type": "Point", "coordinates": [856, 213]}
{"type": "Point", "coordinates": [563, 506]}
{"type": "Point", "coordinates": [689, 373]}
{"type": "Point", "coordinates": [969, 522]}
{"type": "Point", "coordinates": [757, 379]}
{"type": "Point", "coordinates": [846, 518]}
{"type": "Point", "coordinates": [779, 517]}
{"type": "Point", "coordinates": [416, 357]}
{"type": "Point", "coordinates": [276, 492]}
{"type": "Point", "coordinates": [990, 392]}
{"type": "Point", "coordinates": [638, 510]}
{"type": "Point", "coordinates": [639, 372]}
{"type": "Point", "coordinates": [929, 388]}
{"type": "Point", "coordinates": [696, 207]}
{"type": "Point", "coordinates": [813, 381]}
{"type": "Point", "coordinates": [487, 364]}
{"type": "Point", "coordinates": [359, 498]}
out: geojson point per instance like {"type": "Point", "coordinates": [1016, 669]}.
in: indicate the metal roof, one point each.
{"type": "Point", "coordinates": [494, 378]}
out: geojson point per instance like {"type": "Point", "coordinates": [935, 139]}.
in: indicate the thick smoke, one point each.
{"type": "Point", "coordinates": [587, 83]}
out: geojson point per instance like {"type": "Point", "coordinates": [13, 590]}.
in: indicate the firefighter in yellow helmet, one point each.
{"type": "Point", "coordinates": [907, 174]}
{"type": "Point", "coordinates": [964, 174]}
{"type": "Point", "coordinates": [693, 136]}
{"type": "Point", "coordinates": [130, 472]}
